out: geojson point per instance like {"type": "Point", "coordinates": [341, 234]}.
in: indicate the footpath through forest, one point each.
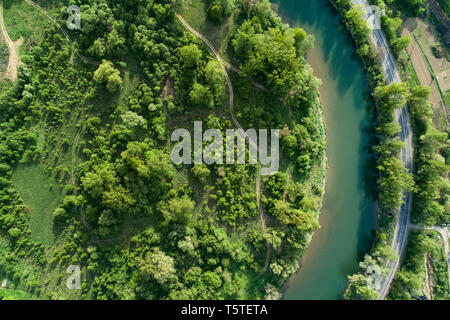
{"type": "Point", "coordinates": [223, 64]}
{"type": "Point", "coordinates": [14, 58]}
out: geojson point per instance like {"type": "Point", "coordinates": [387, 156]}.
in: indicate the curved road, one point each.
{"type": "Point", "coordinates": [406, 155]}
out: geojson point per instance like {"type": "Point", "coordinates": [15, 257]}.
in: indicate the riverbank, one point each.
{"type": "Point", "coordinates": [395, 157]}
{"type": "Point", "coordinates": [348, 214]}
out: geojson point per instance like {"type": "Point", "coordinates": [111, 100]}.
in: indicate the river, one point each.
{"type": "Point", "coordinates": [348, 216]}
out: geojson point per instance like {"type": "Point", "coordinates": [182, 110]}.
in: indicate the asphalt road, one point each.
{"type": "Point", "coordinates": [406, 155]}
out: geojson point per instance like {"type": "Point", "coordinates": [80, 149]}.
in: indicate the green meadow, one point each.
{"type": "Point", "coordinates": [41, 196]}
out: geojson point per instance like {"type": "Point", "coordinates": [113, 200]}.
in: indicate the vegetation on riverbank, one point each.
{"type": "Point", "coordinates": [432, 194]}
{"type": "Point", "coordinates": [423, 272]}
{"type": "Point", "coordinates": [393, 179]}
{"type": "Point", "coordinates": [431, 156]}
{"type": "Point", "coordinates": [137, 225]}
{"type": "Point", "coordinates": [424, 269]}
{"type": "Point", "coordinates": [431, 189]}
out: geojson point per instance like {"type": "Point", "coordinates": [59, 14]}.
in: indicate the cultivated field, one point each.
{"type": "Point", "coordinates": [431, 70]}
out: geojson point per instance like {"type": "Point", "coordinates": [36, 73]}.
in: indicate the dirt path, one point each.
{"type": "Point", "coordinates": [428, 285]}
{"type": "Point", "coordinates": [445, 233]}
{"type": "Point", "coordinates": [14, 58]}
{"type": "Point", "coordinates": [223, 64]}
{"type": "Point", "coordinates": [211, 47]}
{"type": "Point", "coordinates": [76, 50]}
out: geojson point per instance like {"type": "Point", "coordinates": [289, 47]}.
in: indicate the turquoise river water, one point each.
{"type": "Point", "coordinates": [349, 211]}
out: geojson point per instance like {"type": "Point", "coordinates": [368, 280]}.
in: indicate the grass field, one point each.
{"type": "Point", "coordinates": [23, 20]}
{"type": "Point", "coordinates": [408, 71]}
{"type": "Point", "coordinates": [41, 194]}
{"type": "Point", "coordinates": [10, 294]}
{"type": "Point", "coordinates": [430, 68]}
{"type": "Point", "coordinates": [421, 66]}
{"type": "Point", "coordinates": [195, 12]}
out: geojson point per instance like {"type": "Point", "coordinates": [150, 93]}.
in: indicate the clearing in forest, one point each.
{"type": "Point", "coordinates": [41, 196]}
{"type": "Point", "coordinates": [14, 58]}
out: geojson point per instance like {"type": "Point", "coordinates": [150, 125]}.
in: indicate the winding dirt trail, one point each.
{"type": "Point", "coordinates": [75, 49]}
{"type": "Point", "coordinates": [14, 58]}
{"type": "Point", "coordinates": [224, 65]}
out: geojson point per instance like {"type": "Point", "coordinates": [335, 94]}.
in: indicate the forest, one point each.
{"type": "Point", "coordinates": [95, 119]}
{"type": "Point", "coordinates": [424, 263]}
